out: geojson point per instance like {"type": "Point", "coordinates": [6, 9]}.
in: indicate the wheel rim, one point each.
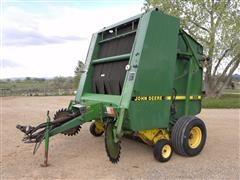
{"type": "Point", "coordinates": [98, 131]}
{"type": "Point", "coordinates": [195, 137]}
{"type": "Point", "coordinates": [166, 150]}
{"type": "Point", "coordinates": [99, 128]}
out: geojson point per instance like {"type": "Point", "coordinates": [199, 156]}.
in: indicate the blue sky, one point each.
{"type": "Point", "coordinates": [47, 38]}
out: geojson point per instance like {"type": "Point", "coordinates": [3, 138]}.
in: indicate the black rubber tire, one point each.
{"type": "Point", "coordinates": [158, 150]}
{"type": "Point", "coordinates": [181, 133]}
{"type": "Point", "coordinates": [92, 130]}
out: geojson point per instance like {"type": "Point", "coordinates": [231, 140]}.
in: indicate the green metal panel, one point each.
{"type": "Point", "coordinates": [94, 111]}
{"type": "Point", "coordinates": [188, 80]}
{"type": "Point", "coordinates": [84, 84]}
{"type": "Point", "coordinates": [155, 73]}
{"type": "Point", "coordinates": [108, 99]}
{"type": "Point", "coordinates": [194, 79]}
{"type": "Point", "coordinates": [134, 61]}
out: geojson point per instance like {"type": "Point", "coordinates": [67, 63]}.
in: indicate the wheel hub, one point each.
{"type": "Point", "coordinates": [166, 151]}
{"type": "Point", "coordinates": [195, 137]}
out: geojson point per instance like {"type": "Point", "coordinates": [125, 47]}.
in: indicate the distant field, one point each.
{"type": "Point", "coordinates": [37, 87]}
{"type": "Point", "coordinates": [232, 91]}
{"type": "Point", "coordinates": [64, 86]}
{"type": "Point", "coordinates": [226, 101]}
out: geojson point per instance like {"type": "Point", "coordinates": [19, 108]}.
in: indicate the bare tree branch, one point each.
{"type": "Point", "coordinates": [219, 61]}
{"type": "Point", "coordinates": [198, 25]}
{"type": "Point", "coordinates": [229, 76]}
{"type": "Point", "coordinates": [235, 59]}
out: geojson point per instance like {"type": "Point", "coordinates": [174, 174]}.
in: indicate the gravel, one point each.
{"type": "Point", "coordinates": [83, 156]}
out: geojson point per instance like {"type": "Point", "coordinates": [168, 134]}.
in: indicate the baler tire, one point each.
{"type": "Point", "coordinates": [93, 131]}
{"type": "Point", "coordinates": [162, 150]}
{"type": "Point", "coordinates": [188, 136]}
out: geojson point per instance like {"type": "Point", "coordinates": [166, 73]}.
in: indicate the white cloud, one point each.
{"type": "Point", "coordinates": [16, 37]}
{"type": "Point", "coordinates": [7, 63]}
{"type": "Point", "coordinates": [49, 58]}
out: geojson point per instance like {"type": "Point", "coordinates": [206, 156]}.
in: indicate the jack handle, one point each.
{"type": "Point", "coordinates": [46, 138]}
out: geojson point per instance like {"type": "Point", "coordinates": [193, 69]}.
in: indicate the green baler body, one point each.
{"type": "Point", "coordinates": [163, 73]}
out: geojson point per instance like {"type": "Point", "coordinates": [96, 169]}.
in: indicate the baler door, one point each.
{"type": "Point", "coordinates": [108, 78]}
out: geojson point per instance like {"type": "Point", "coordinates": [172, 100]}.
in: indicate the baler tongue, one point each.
{"type": "Point", "coordinates": [36, 134]}
{"type": "Point", "coordinates": [42, 131]}
{"type": "Point", "coordinates": [64, 121]}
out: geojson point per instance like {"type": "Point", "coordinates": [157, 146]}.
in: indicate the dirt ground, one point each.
{"type": "Point", "coordinates": [83, 156]}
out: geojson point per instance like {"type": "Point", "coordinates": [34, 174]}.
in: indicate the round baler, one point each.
{"type": "Point", "coordinates": [142, 79]}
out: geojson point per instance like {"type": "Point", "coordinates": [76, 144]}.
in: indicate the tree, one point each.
{"type": "Point", "coordinates": [215, 24]}
{"type": "Point", "coordinates": [58, 82]}
{"type": "Point", "coordinates": [28, 79]}
{"type": "Point", "coordinates": [78, 72]}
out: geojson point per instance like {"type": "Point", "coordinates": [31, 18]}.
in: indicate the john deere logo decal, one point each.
{"type": "Point", "coordinates": [160, 98]}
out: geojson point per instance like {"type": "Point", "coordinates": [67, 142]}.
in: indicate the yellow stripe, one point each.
{"type": "Point", "coordinates": [160, 98]}
{"type": "Point", "coordinates": [183, 97]}
{"type": "Point", "coordinates": [180, 97]}
{"type": "Point", "coordinates": [168, 97]}
{"type": "Point", "coordinates": [195, 97]}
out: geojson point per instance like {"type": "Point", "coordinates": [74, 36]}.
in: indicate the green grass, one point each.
{"type": "Point", "coordinates": [226, 101]}
{"type": "Point", "coordinates": [232, 91]}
